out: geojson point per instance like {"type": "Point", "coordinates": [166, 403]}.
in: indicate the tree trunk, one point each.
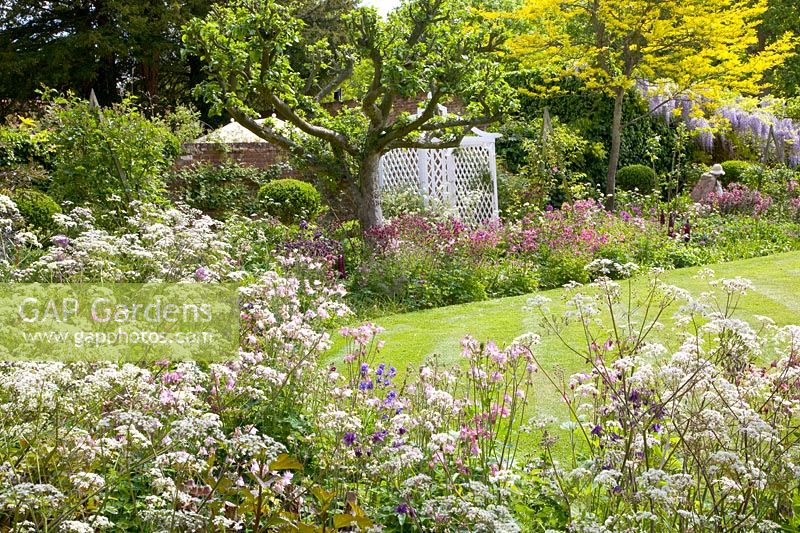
{"type": "Point", "coordinates": [368, 193]}
{"type": "Point", "coordinates": [616, 143]}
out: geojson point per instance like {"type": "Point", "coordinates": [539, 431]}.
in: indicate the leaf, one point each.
{"type": "Point", "coordinates": [343, 520]}
{"type": "Point", "coordinates": [285, 462]}
{"type": "Point", "coordinates": [322, 495]}
{"type": "Point", "coordinates": [346, 520]}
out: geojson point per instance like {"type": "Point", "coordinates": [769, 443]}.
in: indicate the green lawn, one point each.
{"type": "Point", "coordinates": [411, 337]}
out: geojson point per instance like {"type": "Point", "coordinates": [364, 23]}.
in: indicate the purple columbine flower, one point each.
{"type": "Point", "coordinates": [364, 368]}
{"type": "Point", "coordinates": [597, 431]}
{"type": "Point", "coordinates": [390, 397]}
{"type": "Point", "coordinates": [201, 274]}
{"type": "Point", "coordinates": [403, 508]}
{"type": "Point", "coordinates": [349, 438]}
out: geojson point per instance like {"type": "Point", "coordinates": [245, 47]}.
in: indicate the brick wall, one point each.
{"type": "Point", "coordinates": [259, 155]}
{"type": "Point", "coordinates": [263, 155]}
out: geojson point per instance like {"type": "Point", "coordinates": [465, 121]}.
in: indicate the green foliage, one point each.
{"type": "Point", "coordinates": [24, 177]}
{"type": "Point", "coordinates": [589, 112]}
{"type": "Point", "coordinates": [782, 16]}
{"type": "Point", "coordinates": [291, 200]}
{"type": "Point", "coordinates": [544, 163]}
{"type": "Point", "coordinates": [734, 170]}
{"type": "Point", "coordinates": [639, 177]}
{"type": "Point", "coordinates": [690, 175]}
{"type": "Point", "coordinates": [792, 109]}
{"type": "Point", "coordinates": [410, 280]}
{"type": "Point", "coordinates": [220, 189]}
{"type": "Point", "coordinates": [36, 208]}
{"type": "Point", "coordinates": [23, 143]}
{"type": "Point", "coordinates": [101, 45]}
{"type": "Point", "coordinates": [110, 156]}
{"type": "Point", "coordinates": [772, 181]}
{"type": "Point", "coordinates": [444, 48]}
{"type": "Point", "coordinates": [558, 268]}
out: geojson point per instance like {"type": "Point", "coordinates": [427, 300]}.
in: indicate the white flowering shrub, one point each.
{"type": "Point", "coordinates": [277, 438]}
{"type": "Point", "coordinates": [696, 435]}
{"type": "Point", "coordinates": [436, 446]}
{"type": "Point", "coordinates": [16, 243]}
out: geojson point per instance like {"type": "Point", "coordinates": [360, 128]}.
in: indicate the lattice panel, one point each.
{"type": "Point", "coordinates": [461, 180]}
{"type": "Point", "coordinates": [474, 184]}
{"type": "Point", "coordinates": [400, 170]}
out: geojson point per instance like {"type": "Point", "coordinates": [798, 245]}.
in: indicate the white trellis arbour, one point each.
{"type": "Point", "coordinates": [461, 180]}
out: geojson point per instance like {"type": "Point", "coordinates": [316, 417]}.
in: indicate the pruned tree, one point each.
{"type": "Point", "coordinates": [699, 47]}
{"type": "Point", "coordinates": [439, 48]}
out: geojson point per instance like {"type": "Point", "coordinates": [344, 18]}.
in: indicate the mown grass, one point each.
{"type": "Point", "coordinates": [412, 337]}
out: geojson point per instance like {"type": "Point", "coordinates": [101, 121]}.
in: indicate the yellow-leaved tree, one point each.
{"type": "Point", "coordinates": [702, 48]}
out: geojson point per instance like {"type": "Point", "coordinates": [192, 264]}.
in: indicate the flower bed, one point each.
{"type": "Point", "coordinates": [414, 262]}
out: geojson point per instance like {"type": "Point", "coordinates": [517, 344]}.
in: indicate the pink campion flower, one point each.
{"type": "Point", "coordinates": [172, 378]}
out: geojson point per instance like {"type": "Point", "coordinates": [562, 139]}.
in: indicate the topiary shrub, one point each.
{"type": "Point", "coordinates": [638, 177]}
{"type": "Point", "coordinates": [290, 200]}
{"type": "Point", "coordinates": [36, 207]}
{"type": "Point", "coordinates": [734, 170]}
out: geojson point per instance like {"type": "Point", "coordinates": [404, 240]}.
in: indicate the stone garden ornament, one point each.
{"type": "Point", "coordinates": [709, 182]}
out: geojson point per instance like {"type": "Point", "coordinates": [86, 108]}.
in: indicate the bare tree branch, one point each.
{"type": "Point", "coordinates": [285, 112]}
{"type": "Point", "coordinates": [268, 134]}
{"type": "Point", "coordinates": [401, 131]}
{"type": "Point", "coordinates": [427, 145]}
{"type": "Point", "coordinates": [456, 123]}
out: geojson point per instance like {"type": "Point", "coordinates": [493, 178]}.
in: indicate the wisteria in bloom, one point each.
{"type": "Point", "coordinates": [757, 125]}
{"type": "Point", "coordinates": [692, 436]}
